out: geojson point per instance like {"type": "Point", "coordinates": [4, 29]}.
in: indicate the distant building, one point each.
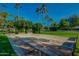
{"type": "Point", "coordinates": [76, 28]}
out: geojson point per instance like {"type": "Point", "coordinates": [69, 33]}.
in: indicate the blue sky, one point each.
{"type": "Point", "coordinates": [55, 10]}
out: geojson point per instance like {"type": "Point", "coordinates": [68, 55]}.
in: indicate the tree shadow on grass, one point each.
{"type": "Point", "coordinates": [68, 45]}
{"type": "Point", "coordinates": [72, 39]}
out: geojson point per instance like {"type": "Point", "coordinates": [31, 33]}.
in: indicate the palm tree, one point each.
{"type": "Point", "coordinates": [17, 6]}
{"type": "Point", "coordinates": [42, 11]}
{"type": "Point", "coordinates": [48, 19]}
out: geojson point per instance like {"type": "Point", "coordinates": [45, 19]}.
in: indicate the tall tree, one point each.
{"type": "Point", "coordinates": [17, 6]}
{"type": "Point", "coordinates": [74, 21]}
{"type": "Point", "coordinates": [4, 18]}
{"type": "Point", "coordinates": [64, 24]}
{"type": "Point", "coordinates": [42, 11]}
{"type": "Point", "coordinates": [36, 27]}
{"type": "Point", "coordinates": [49, 20]}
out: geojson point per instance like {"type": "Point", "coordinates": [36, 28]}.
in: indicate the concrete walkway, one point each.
{"type": "Point", "coordinates": [18, 50]}
{"type": "Point", "coordinates": [55, 39]}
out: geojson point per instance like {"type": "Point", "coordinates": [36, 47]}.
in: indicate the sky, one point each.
{"type": "Point", "coordinates": [55, 10]}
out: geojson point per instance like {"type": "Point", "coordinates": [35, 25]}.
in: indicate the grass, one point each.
{"type": "Point", "coordinates": [5, 47]}
{"type": "Point", "coordinates": [76, 51]}
{"type": "Point", "coordinates": [62, 33]}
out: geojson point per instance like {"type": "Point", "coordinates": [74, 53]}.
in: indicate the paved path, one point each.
{"type": "Point", "coordinates": [55, 39]}
{"type": "Point", "coordinates": [42, 49]}
{"type": "Point", "coordinates": [58, 40]}
{"type": "Point", "coordinates": [18, 50]}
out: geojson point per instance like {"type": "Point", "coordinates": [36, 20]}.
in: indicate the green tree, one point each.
{"type": "Point", "coordinates": [17, 6]}
{"type": "Point", "coordinates": [1, 22]}
{"type": "Point", "coordinates": [64, 24]}
{"type": "Point", "coordinates": [19, 24]}
{"type": "Point", "coordinates": [4, 18]}
{"type": "Point", "coordinates": [3, 15]}
{"type": "Point", "coordinates": [22, 24]}
{"type": "Point", "coordinates": [36, 27]}
{"type": "Point", "coordinates": [10, 24]}
{"type": "Point", "coordinates": [74, 21]}
{"type": "Point", "coordinates": [54, 26]}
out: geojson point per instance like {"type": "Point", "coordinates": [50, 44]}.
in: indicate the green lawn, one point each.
{"type": "Point", "coordinates": [76, 51]}
{"type": "Point", "coordinates": [5, 47]}
{"type": "Point", "coordinates": [62, 33]}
